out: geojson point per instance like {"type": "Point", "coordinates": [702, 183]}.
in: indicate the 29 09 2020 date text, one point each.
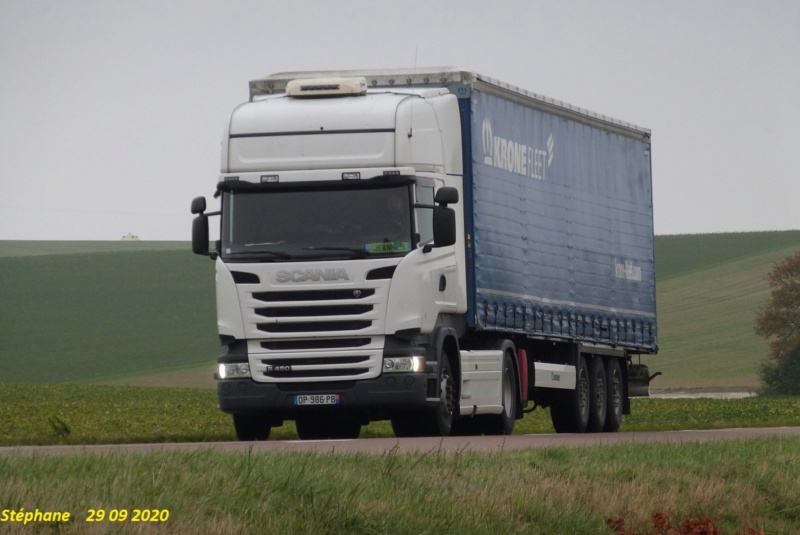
{"type": "Point", "coordinates": [125, 515]}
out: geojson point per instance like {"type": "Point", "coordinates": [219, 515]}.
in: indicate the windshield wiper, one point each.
{"type": "Point", "coordinates": [258, 254]}
{"type": "Point", "coordinates": [359, 253]}
{"type": "Point", "coordinates": [263, 243]}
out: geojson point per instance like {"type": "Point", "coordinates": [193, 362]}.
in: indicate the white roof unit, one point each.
{"type": "Point", "coordinates": [325, 87]}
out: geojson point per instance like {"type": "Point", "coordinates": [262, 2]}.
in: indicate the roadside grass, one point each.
{"type": "Point", "coordinates": [738, 484]}
{"type": "Point", "coordinates": [559, 490]}
{"type": "Point", "coordinates": [37, 414]}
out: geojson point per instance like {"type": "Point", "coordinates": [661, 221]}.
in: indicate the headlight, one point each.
{"type": "Point", "coordinates": [233, 371]}
{"type": "Point", "coordinates": [404, 364]}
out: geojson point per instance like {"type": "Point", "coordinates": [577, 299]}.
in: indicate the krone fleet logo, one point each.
{"type": "Point", "coordinates": [516, 157]}
{"type": "Point", "coordinates": [627, 270]}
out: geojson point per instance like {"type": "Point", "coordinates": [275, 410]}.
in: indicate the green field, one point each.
{"type": "Point", "coordinates": [142, 313]}
{"type": "Point", "coordinates": [708, 288]}
{"type": "Point", "coordinates": [94, 311]}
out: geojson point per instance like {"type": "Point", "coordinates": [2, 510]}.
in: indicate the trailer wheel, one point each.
{"type": "Point", "coordinates": [569, 409]}
{"type": "Point", "coordinates": [503, 423]}
{"type": "Point", "coordinates": [251, 426]}
{"type": "Point", "coordinates": [598, 395]}
{"type": "Point", "coordinates": [614, 386]}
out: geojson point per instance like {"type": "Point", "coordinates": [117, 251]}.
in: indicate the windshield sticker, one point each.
{"type": "Point", "coordinates": [389, 247]}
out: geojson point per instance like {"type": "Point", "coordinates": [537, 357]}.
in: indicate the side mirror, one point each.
{"type": "Point", "coordinates": [444, 226]}
{"type": "Point", "coordinates": [444, 219]}
{"type": "Point", "coordinates": [200, 233]}
{"type": "Point", "coordinates": [446, 195]}
{"type": "Point", "coordinates": [198, 205]}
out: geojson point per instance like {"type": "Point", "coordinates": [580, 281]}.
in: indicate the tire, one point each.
{"type": "Point", "coordinates": [251, 426]}
{"type": "Point", "coordinates": [311, 427]}
{"type": "Point", "coordinates": [614, 384]}
{"type": "Point", "coordinates": [598, 395]}
{"type": "Point", "coordinates": [503, 423]}
{"type": "Point", "coordinates": [403, 427]}
{"type": "Point", "coordinates": [346, 428]}
{"type": "Point", "coordinates": [569, 409]}
{"type": "Point", "coordinates": [407, 426]}
{"type": "Point", "coordinates": [442, 417]}
{"type": "Point", "coordinates": [327, 426]}
{"type": "Point", "coordinates": [438, 421]}
{"type": "Point", "coordinates": [467, 426]}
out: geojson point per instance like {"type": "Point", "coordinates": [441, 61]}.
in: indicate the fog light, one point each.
{"type": "Point", "coordinates": [404, 364]}
{"type": "Point", "coordinates": [233, 371]}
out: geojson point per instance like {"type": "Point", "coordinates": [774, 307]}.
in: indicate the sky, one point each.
{"type": "Point", "coordinates": [111, 111]}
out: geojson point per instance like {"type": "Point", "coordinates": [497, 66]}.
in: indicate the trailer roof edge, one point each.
{"type": "Point", "coordinates": [438, 77]}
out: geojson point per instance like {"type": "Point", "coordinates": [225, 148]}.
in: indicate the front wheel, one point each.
{"type": "Point", "coordinates": [326, 426]}
{"type": "Point", "coordinates": [503, 423]}
{"type": "Point", "coordinates": [251, 426]}
{"type": "Point", "coordinates": [439, 420]}
{"type": "Point", "coordinates": [407, 426]}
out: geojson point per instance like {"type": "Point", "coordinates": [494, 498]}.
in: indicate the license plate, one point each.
{"type": "Point", "coordinates": [317, 399]}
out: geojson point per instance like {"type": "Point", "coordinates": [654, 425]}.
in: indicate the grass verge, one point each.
{"type": "Point", "coordinates": [40, 414]}
{"type": "Point", "coordinates": [739, 484]}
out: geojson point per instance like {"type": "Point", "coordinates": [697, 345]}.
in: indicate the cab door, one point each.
{"type": "Point", "coordinates": [444, 275]}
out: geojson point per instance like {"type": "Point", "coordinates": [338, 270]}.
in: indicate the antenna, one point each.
{"type": "Point", "coordinates": [413, 74]}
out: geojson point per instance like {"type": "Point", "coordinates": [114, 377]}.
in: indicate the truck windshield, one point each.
{"type": "Point", "coordinates": [298, 224]}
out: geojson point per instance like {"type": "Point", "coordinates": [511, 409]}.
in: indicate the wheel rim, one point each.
{"type": "Point", "coordinates": [600, 391]}
{"type": "Point", "coordinates": [448, 395]}
{"type": "Point", "coordinates": [616, 391]}
{"type": "Point", "coordinates": [508, 393]}
{"type": "Point", "coordinates": [583, 393]}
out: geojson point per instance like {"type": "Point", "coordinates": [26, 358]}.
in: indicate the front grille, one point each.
{"type": "Point", "coordinates": [300, 345]}
{"type": "Point", "coordinates": [313, 295]}
{"type": "Point", "coordinates": [305, 374]}
{"type": "Point", "coordinates": [315, 311]}
{"type": "Point", "coordinates": [316, 366]}
{"type": "Point", "coordinates": [319, 361]}
{"type": "Point", "coordinates": [316, 335]}
{"type": "Point", "coordinates": [305, 311]}
{"type": "Point", "coordinates": [313, 326]}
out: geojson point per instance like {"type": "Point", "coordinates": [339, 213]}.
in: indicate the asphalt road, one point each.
{"type": "Point", "coordinates": [427, 444]}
